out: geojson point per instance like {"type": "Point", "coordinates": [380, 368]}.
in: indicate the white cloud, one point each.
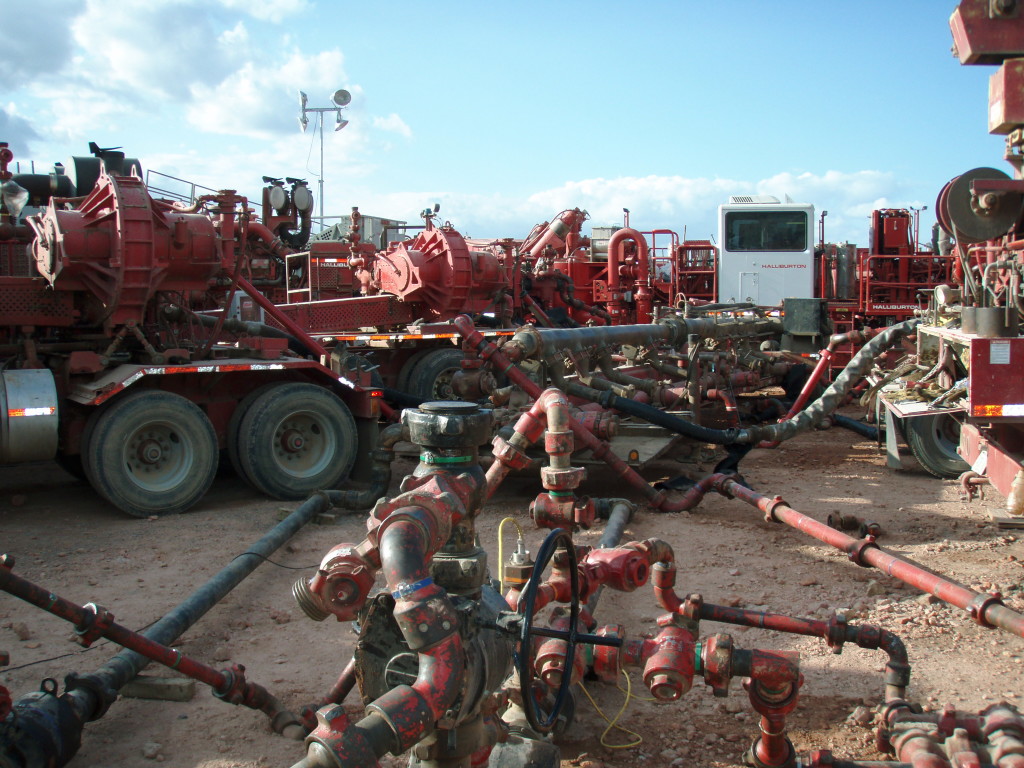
{"type": "Point", "coordinates": [82, 111]}
{"type": "Point", "coordinates": [153, 48]}
{"type": "Point", "coordinates": [672, 202]}
{"type": "Point", "coordinates": [394, 124]}
{"type": "Point", "coordinates": [235, 38]}
{"type": "Point", "coordinates": [261, 100]}
{"type": "Point", "coordinates": [267, 10]}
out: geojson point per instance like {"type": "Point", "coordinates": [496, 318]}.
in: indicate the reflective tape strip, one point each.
{"type": "Point", "coordinates": [48, 410]}
{"type": "Point", "coordinates": [113, 389]}
{"type": "Point", "coordinates": [407, 336]}
{"type": "Point", "coordinates": [997, 411]}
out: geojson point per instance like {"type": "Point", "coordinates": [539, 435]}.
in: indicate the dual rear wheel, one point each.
{"type": "Point", "coordinates": [153, 452]}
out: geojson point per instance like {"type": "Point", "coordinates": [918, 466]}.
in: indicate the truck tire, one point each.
{"type": "Point", "coordinates": [402, 380]}
{"type": "Point", "coordinates": [151, 453]}
{"type": "Point", "coordinates": [294, 439]}
{"type": "Point", "coordinates": [933, 440]}
{"type": "Point", "coordinates": [235, 423]}
{"type": "Point", "coordinates": [431, 378]}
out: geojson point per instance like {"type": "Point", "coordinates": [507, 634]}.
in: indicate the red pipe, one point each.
{"type": "Point", "coordinates": [773, 749]}
{"type": "Point", "coordinates": [987, 610]}
{"type": "Point", "coordinates": [343, 686]}
{"type": "Point", "coordinates": [644, 304]}
{"type": "Point", "coordinates": [554, 406]}
{"type": "Point", "coordinates": [539, 313]}
{"type": "Point", "coordinates": [732, 409]}
{"type": "Point", "coordinates": [824, 361]}
{"type": "Point", "coordinates": [834, 631]}
{"type": "Point", "coordinates": [600, 449]}
{"type": "Point", "coordinates": [93, 622]}
{"type": "Point", "coordinates": [292, 327]}
{"type": "Point", "coordinates": [557, 231]}
{"type": "Point", "coordinates": [404, 548]}
{"type": "Point", "coordinates": [430, 625]}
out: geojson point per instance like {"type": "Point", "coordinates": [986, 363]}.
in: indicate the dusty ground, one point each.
{"type": "Point", "coordinates": [66, 539]}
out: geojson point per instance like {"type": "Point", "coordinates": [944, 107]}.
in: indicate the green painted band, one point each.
{"type": "Point", "coordinates": [428, 458]}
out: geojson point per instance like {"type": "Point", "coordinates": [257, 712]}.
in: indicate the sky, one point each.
{"type": "Point", "coordinates": [507, 113]}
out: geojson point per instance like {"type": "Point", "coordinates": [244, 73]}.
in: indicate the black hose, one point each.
{"type": "Point", "coordinates": [813, 414]}
{"type": "Point", "coordinates": [249, 328]}
{"type": "Point", "coordinates": [862, 429]}
{"type": "Point", "coordinates": [669, 421]}
{"type": "Point", "coordinates": [544, 343]}
{"type": "Point", "coordinates": [401, 399]}
{"type": "Point", "coordinates": [380, 473]}
{"type": "Point", "coordinates": [620, 512]}
{"type": "Point", "coordinates": [834, 395]}
{"type": "Point", "coordinates": [57, 721]}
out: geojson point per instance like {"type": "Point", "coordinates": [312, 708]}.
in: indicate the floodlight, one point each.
{"type": "Point", "coordinates": [341, 123]}
{"type": "Point", "coordinates": [302, 100]}
{"type": "Point", "coordinates": [303, 122]}
{"type": "Point", "coordinates": [341, 97]}
{"type": "Point", "coordinates": [302, 198]}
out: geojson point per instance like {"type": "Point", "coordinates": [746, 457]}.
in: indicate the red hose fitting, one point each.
{"type": "Point", "coordinates": [716, 662]}
{"type": "Point", "coordinates": [602, 424]}
{"type": "Point", "coordinates": [623, 569]}
{"type": "Point", "coordinates": [99, 621]}
{"type": "Point", "coordinates": [549, 660]}
{"type": "Point", "coordinates": [509, 455]}
{"type": "Point", "coordinates": [562, 478]}
{"type": "Point", "coordinates": [340, 586]}
{"type": "Point", "coordinates": [337, 735]}
{"type": "Point", "coordinates": [608, 659]}
{"type": "Point", "coordinates": [558, 443]}
{"type": "Point", "coordinates": [775, 671]}
{"type": "Point", "coordinates": [668, 673]}
{"type": "Point", "coordinates": [555, 510]}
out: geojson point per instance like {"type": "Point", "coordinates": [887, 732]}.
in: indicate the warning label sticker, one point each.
{"type": "Point", "coordinates": [999, 353]}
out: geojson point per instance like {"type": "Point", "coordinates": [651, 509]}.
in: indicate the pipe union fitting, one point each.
{"type": "Point", "coordinates": [562, 479]}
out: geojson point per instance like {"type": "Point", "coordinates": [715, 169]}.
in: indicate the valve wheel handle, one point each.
{"type": "Point", "coordinates": [558, 537]}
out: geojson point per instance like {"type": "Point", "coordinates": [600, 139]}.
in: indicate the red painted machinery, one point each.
{"type": "Point", "coordinates": [616, 276]}
{"type": "Point", "coordinates": [959, 398]}
{"type": "Point", "coordinates": [107, 368]}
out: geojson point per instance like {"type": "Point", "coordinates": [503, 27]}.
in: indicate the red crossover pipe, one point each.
{"type": "Point", "coordinates": [824, 361]}
{"type": "Point", "coordinates": [987, 610]}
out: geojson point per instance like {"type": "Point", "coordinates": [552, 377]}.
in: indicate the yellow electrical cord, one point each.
{"type": "Point", "coordinates": [501, 549]}
{"type": "Point", "coordinates": [613, 723]}
{"type": "Point", "coordinates": [635, 698]}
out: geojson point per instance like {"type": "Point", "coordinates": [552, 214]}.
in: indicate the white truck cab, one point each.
{"type": "Point", "coordinates": [767, 250]}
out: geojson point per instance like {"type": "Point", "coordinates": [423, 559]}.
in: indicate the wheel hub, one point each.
{"type": "Point", "coordinates": [150, 452]}
{"type": "Point", "coordinates": [293, 440]}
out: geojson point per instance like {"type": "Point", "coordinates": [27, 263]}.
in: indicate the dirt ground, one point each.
{"type": "Point", "coordinates": [67, 540]}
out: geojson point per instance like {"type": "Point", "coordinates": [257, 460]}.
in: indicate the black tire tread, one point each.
{"type": "Point", "coordinates": [108, 432]}
{"type": "Point", "coordinates": [255, 451]}
{"type": "Point", "coordinates": [921, 437]}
